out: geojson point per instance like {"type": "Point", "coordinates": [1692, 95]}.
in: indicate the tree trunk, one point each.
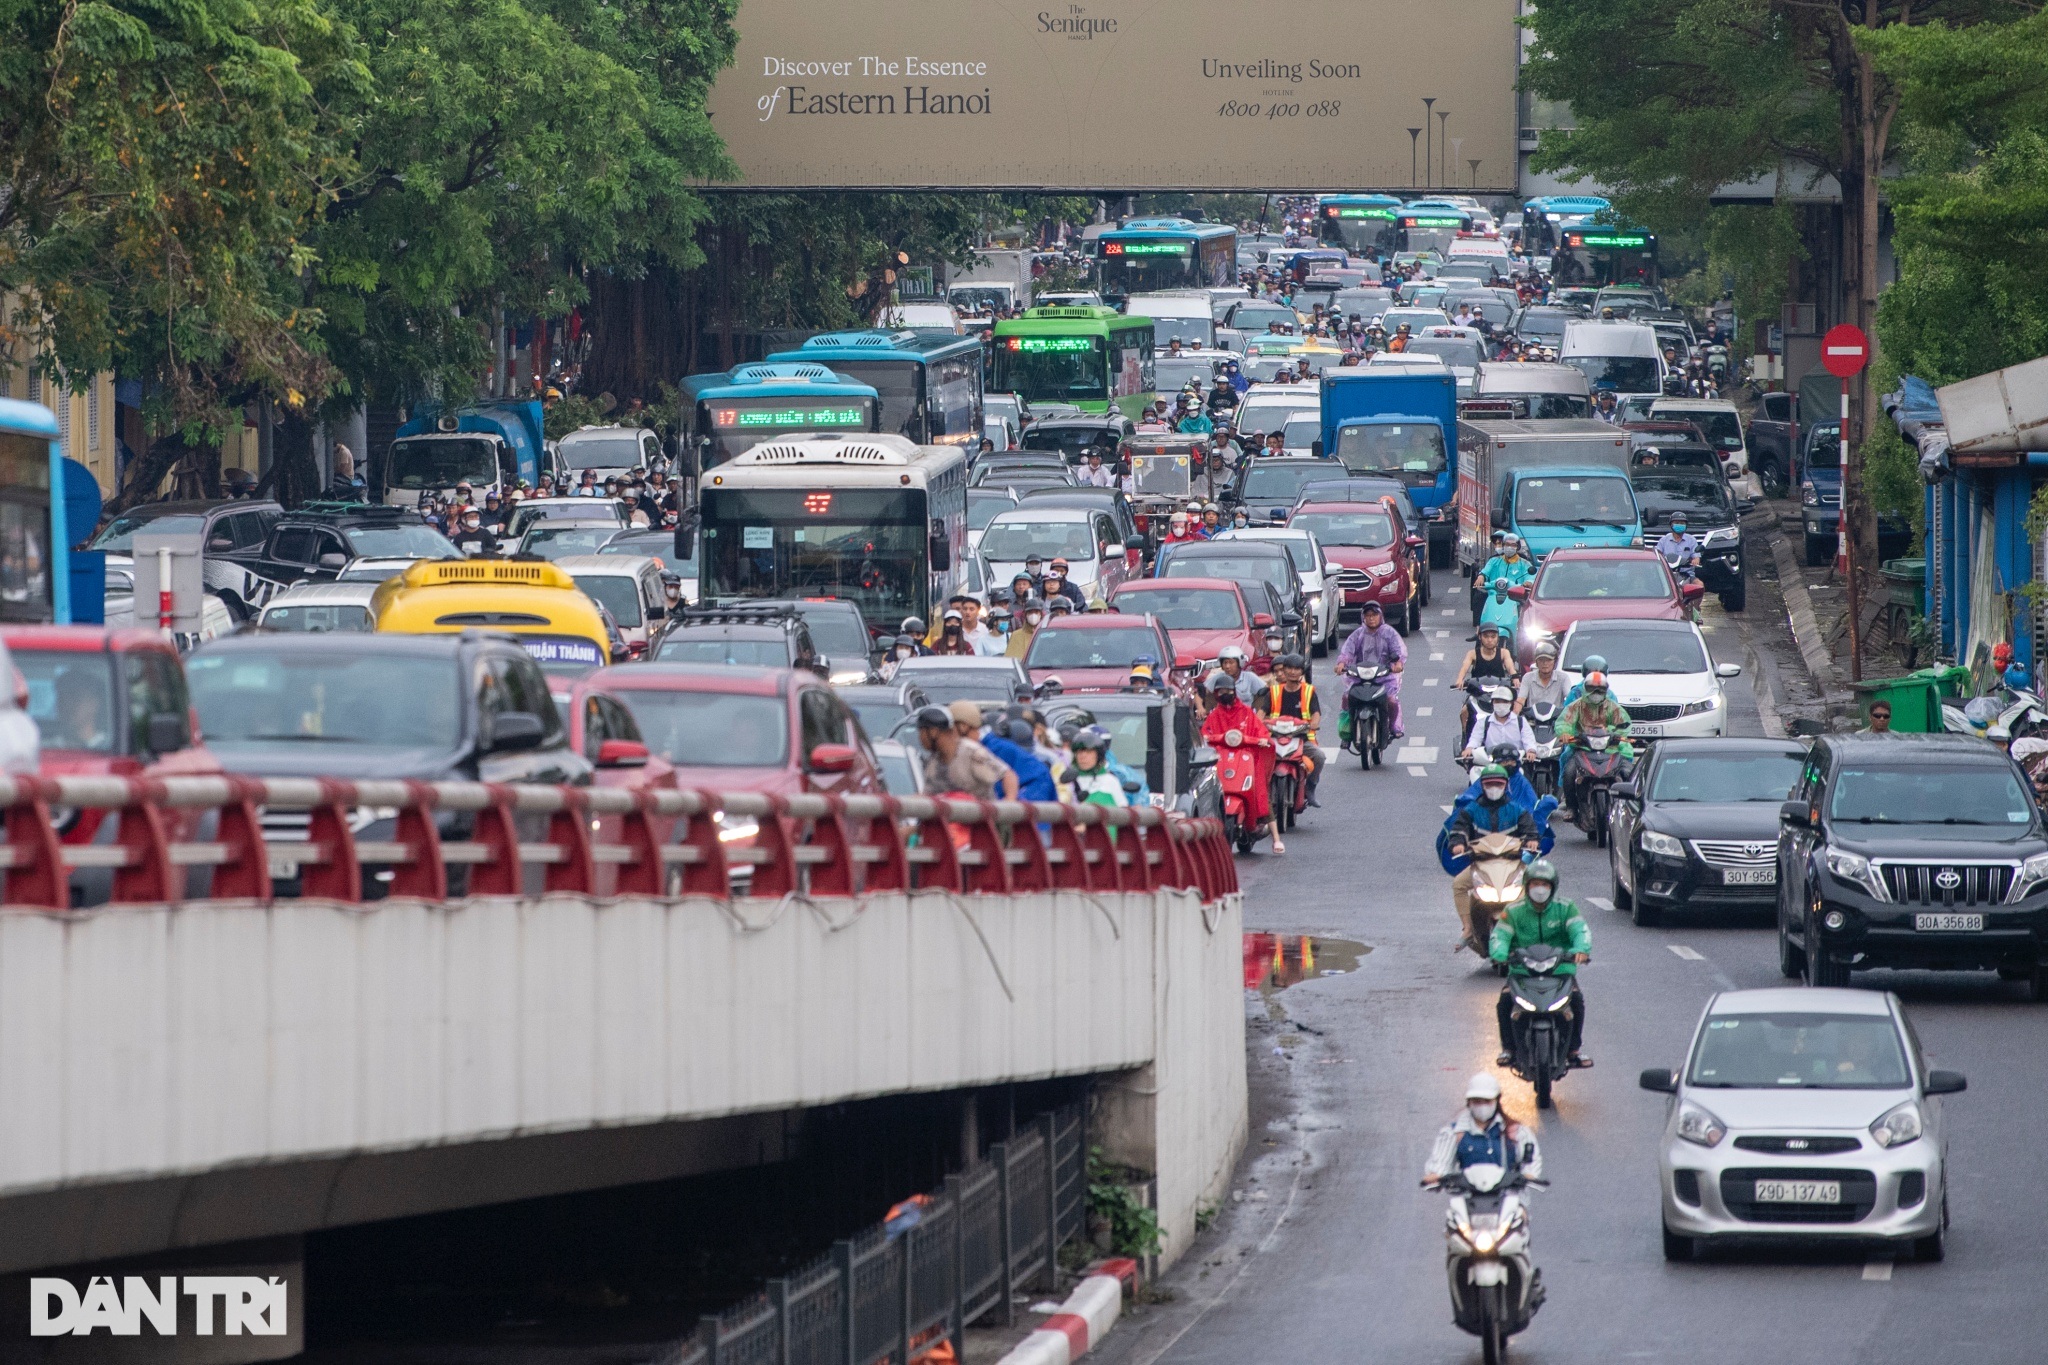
{"type": "Point", "coordinates": [147, 471]}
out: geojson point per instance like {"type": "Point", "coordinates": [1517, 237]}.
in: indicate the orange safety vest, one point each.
{"type": "Point", "coordinates": [1308, 696]}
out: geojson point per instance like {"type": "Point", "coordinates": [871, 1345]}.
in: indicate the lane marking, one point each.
{"type": "Point", "coordinates": [1600, 902]}
{"type": "Point", "coordinates": [1877, 1270]}
{"type": "Point", "coordinates": [1449, 611]}
{"type": "Point", "coordinates": [1417, 753]}
{"type": "Point", "coordinates": [1443, 635]}
{"type": "Point", "coordinates": [1425, 710]}
{"type": "Point", "coordinates": [1417, 772]}
{"type": "Point", "coordinates": [1687, 953]}
{"type": "Point", "coordinates": [1431, 682]}
{"type": "Point", "coordinates": [1436, 658]}
{"type": "Point", "coordinates": [1446, 809]}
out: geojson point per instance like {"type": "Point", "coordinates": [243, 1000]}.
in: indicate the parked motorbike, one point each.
{"type": "Point", "coordinates": [1495, 1285]}
{"type": "Point", "coordinates": [1290, 769]}
{"type": "Point", "coordinates": [1496, 884]}
{"type": "Point", "coordinates": [1237, 774]}
{"type": "Point", "coordinates": [1372, 711]}
{"type": "Point", "coordinates": [1540, 1018]}
{"type": "Point", "coordinates": [1539, 764]}
{"type": "Point", "coordinates": [1601, 764]}
{"type": "Point", "coordinates": [2011, 713]}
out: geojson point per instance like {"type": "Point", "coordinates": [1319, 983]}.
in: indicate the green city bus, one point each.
{"type": "Point", "coordinates": [1094, 358]}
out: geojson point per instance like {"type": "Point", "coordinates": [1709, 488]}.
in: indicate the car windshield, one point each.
{"type": "Point", "coordinates": [611, 450]}
{"type": "Point", "coordinates": [1931, 793]}
{"type": "Point", "coordinates": [899, 774]}
{"type": "Point", "coordinates": [1186, 608]}
{"type": "Point", "coordinates": [1572, 579]}
{"type": "Point", "coordinates": [717, 647]}
{"type": "Point", "coordinates": [1363, 530]}
{"type": "Point", "coordinates": [982, 507]}
{"type": "Point", "coordinates": [1702, 499]}
{"type": "Point", "coordinates": [1279, 483]}
{"type": "Point", "coordinates": [119, 536]}
{"type": "Point", "coordinates": [878, 716]}
{"type": "Point", "coordinates": [1068, 440]}
{"type": "Point", "coordinates": [1568, 501]}
{"type": "Point", "coordinates": [1020, 538]}
{"type": "Point", "coordinates": [1800, 1052]}
{"type": "Point", "coordinates": [619, 594]}
{"type": "Point", "coordinates": [1534, 324]}
{"type": "Point", "coordinates": [753, 731]}
{"type": "Point", "coordinates": [1826, 450]}
{"type": "Point", "coordinates": [1301, 431]}
{"type": "Point", "coordinates": [1170, 374]}
{"type": "Point", "coordinates": [1726, 777]}
{"type": "Point", "coordinates": [328, 696]}
{"type": "Point", "coordinates": [944, 686]}
{"type": "Point", "coordinates": [1391, 447]}
{"type": "Point", "coordinates": [399, 542]}
{"type": "Point", "coordinates": [1450, 350]}
{"type": "Point", "coordinates": [71, 697]}
{"type": "Point", "coordinates": [1628, 650]}
{"type": "Point", "coordinates": [1622, 373]}
{"type": "Point", "coordinates": [1724, 429]}
{"type": "Point", "coordinates": [1276, 569]}
{"type": "Point", "coordinates": [554, 540]}
{"type": "Point", "coordinates": [316, 618]}
{"type": "Point", "coordinates": [442, 462]}
{"type": "Point", "coordinates": [1092, 647]}
{"type": "Point", "coordinates": [661, 545]}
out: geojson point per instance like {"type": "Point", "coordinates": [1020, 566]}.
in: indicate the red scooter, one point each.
{"type": "Point", "coordinates": [1237, 774]}
{"type": "Point", "coordinates": [1290, 769]}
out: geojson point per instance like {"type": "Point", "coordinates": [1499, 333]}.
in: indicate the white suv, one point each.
{"type": "Point", "coordinates": [1719, 419]}
{"type": "Point", "coordinates": [1659, 671]}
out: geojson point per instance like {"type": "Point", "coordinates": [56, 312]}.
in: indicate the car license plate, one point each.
{"type": "Point", "coordinates": [283, 869]}
{"type": "Point", "coordinates": [1798, 1191]}
{"type": "Point", "coordinates": [1938, 923]}
{"type": "Point", "coordinates": [1749, 876]}
{"type": "Point", "coordinates": [1646, 732]}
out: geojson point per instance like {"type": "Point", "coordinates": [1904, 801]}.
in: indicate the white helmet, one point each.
{"type": "Point", "coordinates": [1232, 652]}
{"type": "Point", "coordinates": [1483, 1086]}
{"type": "Point", "coordinates": [1500, 694]}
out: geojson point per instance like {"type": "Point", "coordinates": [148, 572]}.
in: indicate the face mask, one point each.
{"type": "Point", "coordinates": [952, 627]}
{"type": "Point", "coordinates": [1540, 893]}
{"type": "Point", "coordinates": [1495, 790]}
{"type": "Point", "coordinates": [1501, 709]}
{"type": "Point", "coordinates": [902, 652]}
{"type": "Point", "coordinates": [1482, 1111]}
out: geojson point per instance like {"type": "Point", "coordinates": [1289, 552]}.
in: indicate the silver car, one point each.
{"type": "Point", "coordinates": [1804, 1114]}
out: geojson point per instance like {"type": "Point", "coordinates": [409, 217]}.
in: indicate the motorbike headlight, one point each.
{"type": "Point", "coordinates": [1699, 1127]}
{"type": "Point", "coordinates": [1900, 1125]}
{"type": "Point", "coordinates": [1663, 845]}
{"type": "Point", "coordinates": [1484, 1234]}
{"type": "Point", "coordinates": [2033, 872]}
{"type": "Point", "coordinates": [1554, 1006]}
{"type": "Point", "coordinates": [1700, 707]}
{"type": "Point", "coordinates": [1855, 868]}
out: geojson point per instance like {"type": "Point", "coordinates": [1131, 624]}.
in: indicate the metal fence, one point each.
{"type": "Point", "coordinates": [881, 1296]}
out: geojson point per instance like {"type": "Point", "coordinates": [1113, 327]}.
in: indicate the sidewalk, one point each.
{"type": "Point", "coordinates": [1814, 605]}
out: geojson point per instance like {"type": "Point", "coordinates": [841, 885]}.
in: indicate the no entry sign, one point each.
{"type": "Point", "coordinates": [1844, 351]}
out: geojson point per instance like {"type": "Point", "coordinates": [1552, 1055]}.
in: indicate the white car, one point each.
{"type": "Point", "coordinates": [1720, 419]}
{"type": "Point", "coordinates": [1318, 577]}
{"type": "Point", "coordinates": [1659, 671]}
{"type": "Point", "coordinates": [630, 588]}
{"type": "Point", "coordinates": [1087, 539]}
{"type": "Point", "coordinates": [1804, 1114]}
{"type": "Point", "coordinates": [317, 608]}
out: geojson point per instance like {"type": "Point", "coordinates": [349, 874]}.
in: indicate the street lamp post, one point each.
{"type": "Point", "coordinates": [1443, 120]}
{"type": "Point", "coordinates": [1413, 174]}
{"type": "Point", "coordinates": [1429, 148]}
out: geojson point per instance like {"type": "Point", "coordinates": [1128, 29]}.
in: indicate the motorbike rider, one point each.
{"type": "Point", "coordinates": [1508, 562]}
{"type": "Point", "coordinates": [1541, 916]}
{"type": "Point", "coordinates": [1542, 686]}
{"type": "Point", "coordinates": [1377, 643]}
{"type": "Point", "coordinates": [1499, 726]}
{"type": "Point", "coordinates": [953, 635]}
{"type": "Point", "coordinates": [1592, 710]}
{"type": "Point", "coordinates": [1678, 549]}
{"type": "Point", "coordinates": [1057, 584]}
{"type": "Point", "coordinates": [1228, 711]}
{"type": "Point", "coordinates": [1231, 659]}
{"type": "Point", "coordinates": [1495, 812]}
{"type": "Point", "coordinates": [1030, 615]}
{"type": "Point", "coordinates": [1092, 780]}
{"type": "Point", "coordinates": [1483, 1135]}
{"type": "Point", "coordinates": [1520, 790]}
{"type": "Point", "coordinates": [1290, 694]}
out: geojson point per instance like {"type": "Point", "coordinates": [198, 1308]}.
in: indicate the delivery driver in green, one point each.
{"type": "Point", "coordinates": [1540, 917]}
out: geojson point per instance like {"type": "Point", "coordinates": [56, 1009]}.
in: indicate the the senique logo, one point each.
{"type": "Point", "coordinates": [1074, 23]}
{"type": "Point", "coordinates": [230, 1305]}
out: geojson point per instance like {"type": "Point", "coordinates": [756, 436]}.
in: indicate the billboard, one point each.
{"type": "Point", "coordinates": [1122, 95]}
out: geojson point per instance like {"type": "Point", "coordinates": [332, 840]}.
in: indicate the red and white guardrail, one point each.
{"type": "Point", "coordinates": [1082, 1321]}
{"type": "Point", "coordinates": [651, 843]}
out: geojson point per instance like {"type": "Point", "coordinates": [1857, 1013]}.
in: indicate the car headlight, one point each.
{"type": "Point", "coordinates": [1808, 497]}
{"type": "Point", "coordinates": [850, 675]}
{"type": "Point", "coordinates": [1381, 570]}
{"type": "Point", "coordinates": [1899, 1126]}
{"type": "Point", "coordinates": [2033, 872]}
{"type": "Point", "coordinates": [1854, 867]}
{"type": "Point", "coordinates": [1662, 845]}
{"type": "Point", "coordinates": [1700, 707]}
{"type": "Point", "coordinates": [733, 828]}
{"type": "Point", "coordinates": [1722, 535]}
{"type": "Point", "coordinates": [1699, 1127]}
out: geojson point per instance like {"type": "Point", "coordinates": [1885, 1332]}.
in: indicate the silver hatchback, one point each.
{"type": "Point", "coordinates": [1804, 1114]}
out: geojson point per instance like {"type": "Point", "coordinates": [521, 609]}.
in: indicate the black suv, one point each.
{"type": "Point", "coordinates": [321, 539]}
{"type": "Point", "coordinates": [768, 635]}
{"type": "Point", "coordinates": [1712, 517]}
{"type": "Point", "coordinates": [1921, 851]}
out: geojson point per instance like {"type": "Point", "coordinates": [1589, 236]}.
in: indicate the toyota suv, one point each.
{"type": "Point", "coordinates": [1912, 851]}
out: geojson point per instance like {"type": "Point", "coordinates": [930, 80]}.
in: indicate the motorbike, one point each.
{"type": "Point", "coordinates": [2020, 715]}
{"type": "Point", "coordinates": [1496, 884]}
{"type": "Point", "coordinates": [1501, 610]}
{"type": "Point", "coordinates": [1682, 574]}
{"type": "Point", "coordinates": [1540, 1018]}
{"type": "Point", "coordinates": [1601, 765]}
{"type": "Point", "coordinates": [1475, 703]}
{"type": "Point", "coordinates": [1237, 774]}
{"type": "Point", "coordinates": [1372, 711]}
{"type": "Point", "coordinates": [1539, 764]}
{"type": "Point", "coordinates": [1495, 1287]}
{"type": "Point", "coordinates": [1290, 769]}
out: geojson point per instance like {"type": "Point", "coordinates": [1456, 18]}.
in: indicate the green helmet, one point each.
{"type": "Point", "coordinates": [1492, 771]}
{"type": "Point", "coordinates": [1542, 870]}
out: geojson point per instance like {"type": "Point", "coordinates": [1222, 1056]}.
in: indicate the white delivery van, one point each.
{"type": "Point", "coordinates": [1622, 356]}
{"type": "Point", "coordinates": [1189, 316]}
{"type": "Point", "coordinates": [1539, 392]}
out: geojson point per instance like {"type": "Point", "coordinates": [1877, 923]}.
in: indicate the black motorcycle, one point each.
{"type": "Point", "coordinates": [1372, 711]}
{"type": "Point", "coordinates": [1539, 765]}
{"type": "Point", "coordinates": [1598, 764]}
{"type": "Point", "coordinates": [1540, 1018]}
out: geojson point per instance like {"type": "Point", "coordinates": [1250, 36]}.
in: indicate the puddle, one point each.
{"type": "Point", "coordinates": [1273, 962]}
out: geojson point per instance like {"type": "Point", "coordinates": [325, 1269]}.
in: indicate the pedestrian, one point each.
{"type": "Point", "coordinates": [1880, 718]}
{"type": "Point", "coordinates": [344, 463]}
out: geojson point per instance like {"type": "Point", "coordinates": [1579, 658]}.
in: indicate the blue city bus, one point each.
{"type": "Point", "coordinates": [34, 569]}
{"type": "Point", "coordinates": [1587, 244]}
{"type": "Point", "coordinates": [1147, 255]}
{"type": "Point", "coordinates": [732, 411]}
{"type": "Point", "coordinates": [1545, 220]}
{"type": "Point", "coordinates": [1357, 222]}
{"type": "Point", "coordinates": [929, 383]}
{"type": "Point", "coordinates": [1430, 225]}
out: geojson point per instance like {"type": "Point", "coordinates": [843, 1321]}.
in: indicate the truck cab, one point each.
{"type": "Point", "coordinates": [490, 446]}
{"type": "Point", "coordinates": [1570, 507]}
{"type": "Point", "coordinates": [1401, 424]}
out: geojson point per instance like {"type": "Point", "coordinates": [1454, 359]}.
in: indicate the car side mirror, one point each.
{"type": "Point", "coordinates": [1135, 543]}
{"type": "Point", "coordinates": [622, 753]}
{"type": "Point", "coordinates": [832, 758]}
{"type": "Point", "coordinates": [1331, 566]}
{"type": "Point", "coordinates": [1727, 670]}
{"type": "Point", "coordinates": [512, 731]}
{"type": "Point", "coordinates": [167, 731]}
{"type": "Point", "coordinates": [1290, 618]}
{"type": "Point", "coordinates": [1744, 506]}
{"type": "Point", "coordinates": [1661, 1079]}
{"type": "Point", "coordinates": [1315, 447]}
{"type": "Point", "coordinates": [1262, 619]}
{"type": "Point", "coordinates": [219, 545]}
{"type": "Point", "coordinates": [1131, 785]}
{"type": "Point", "coordinates": [657, 612]}
{"type": "Point", "coordinates": [1795, 813]}
{"type": "Point", "coordinates": [1202, 757]}
{"type": "Point", "coordinates": [1692, 592]}
{"type": "Point", "coordinates": [1519, 591]}
{"type": "Point", "coordinates": [334, 561]}
{"type": "Point", "coordinates": [941, 550]}
{"type": "Point", "coordinates": [1945, 1083]}
{"type": "Point", "coordinates": [1625, 791]}
{"type": "Point", "coordinates": [1415, 542]}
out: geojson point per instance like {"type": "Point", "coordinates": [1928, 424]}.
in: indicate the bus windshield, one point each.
{"type": "Point", "coordinates": [898, 383]}
{"type": "Point", "coordinates": [1392, 448]}
{"type": "Point", "coordinates": [738, 424]}
{"type": "Point", "coordinates": [1052, 369]}
{"type": "Point", "coordinates": [428, 462]}
{"type": "Point", "coordinates": [1144, 267]}
{"type": "Point", "coordinates": [865, 545]}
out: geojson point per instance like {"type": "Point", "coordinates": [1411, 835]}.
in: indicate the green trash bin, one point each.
{"type": "Point", "coordinates": [1915, 698]}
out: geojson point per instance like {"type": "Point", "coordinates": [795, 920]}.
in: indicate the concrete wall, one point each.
{"type": "Point", "coordinates": [149, 1053]}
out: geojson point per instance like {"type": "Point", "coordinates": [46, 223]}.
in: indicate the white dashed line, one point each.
{"type": "Point", "coordinates": [1449, 611]}
{"type": "Point", "coordinates": [1417, 772]}
{"type": "Point", "coordinates": [1436, 658]}
{"type": "Point", "coordinates": [1446, 809]}
{"type": "Point", "coordinates": [1425, 710]}
{"type": "Point", "coordinates": [1431, 682]}
{"type": "Point", "coordinates": [1417, 753]}
{"type": "Point", "coordinates": [1600, 902]}
{"type": "Point", "coordinates": [1443, 635]}
{"type": "Point", "coordinates": [1877, 1270]}
{"type": "Point", "coordinates": [1690, 955]}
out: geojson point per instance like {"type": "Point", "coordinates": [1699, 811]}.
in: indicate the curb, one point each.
{"type": "Point", "coordinates": [1082, 1321]}
{"type": "Point", "coordinates": [1806, 630]}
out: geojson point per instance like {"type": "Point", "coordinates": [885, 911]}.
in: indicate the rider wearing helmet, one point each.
{"type": "Point", "coordinates": [1232, 660]}
{"type": "Point", "coordinates": [915, 628]}
{"type": "Point", "coordinates": [1542, 916]}
{"type": "Point", "coordinates": [1495, 812]}
{"type": "Point", "coordinates": [1483, 1135]}
{"type": "Point", "coordinates": [1228, 711]}
{"type": "Point", "coordinates": [1499, 727]}
{"type": "Point", "coordinates": [1291, 694]}
{"type": "Point", "coordinates": [1093, 781]}
{"type": "Point", "coordinates": [1592, 710]}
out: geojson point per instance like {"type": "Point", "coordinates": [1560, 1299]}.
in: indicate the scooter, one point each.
{"type": "Point", "coordinates": [1539, 764]}
{"type": "Point", "coordinates": [1237, 775]}
{"type": "Point", "coordinates": [1469, 710]}
{"type": "Point", "coordinates": [2021, 715]}
{"type": "Point", "coordinates": [1496, 884]}
{"type": "Point", "coordinates": [1502, 610]}
{"type": "Point", "coordinates": [1684, 574]}
{"type": "Point", "coordinates": [1290, 769]}
{"type": "Point", "coordinates": [1495, 1286]}
{"type": "Point", "coordinates": [1601, 764]}
{"type": "Point", "coordinates": [1540, 1018]}
{"type": "Point", "coordinates": [1372, 711]}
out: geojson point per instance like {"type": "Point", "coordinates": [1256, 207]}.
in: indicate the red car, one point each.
{"type": "Point", "coordinates": [1586, 585]}
{"type": "Point", "coordinates": [1094, 653]}
{"type": "Point", "coordinates": [1374, 553]}
{"type": "Point", "coordinates": [1201, 616]}
{"type": "Point", "coordinates": [603, 729]}
{"type": "Point", "coordinates": [110, 703]}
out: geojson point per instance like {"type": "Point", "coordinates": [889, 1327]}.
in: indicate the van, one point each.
{"type": "Point", "coordinates": [1622, 356]}
{"type": "Point", "coordinates": [1538, 392]}
{"type": "Point", "coordinates": [537, 601]}
{"type": "Point", "coordinates": [1188, 316]}
{"type": "Point", "coordinates": [1267, 407]}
